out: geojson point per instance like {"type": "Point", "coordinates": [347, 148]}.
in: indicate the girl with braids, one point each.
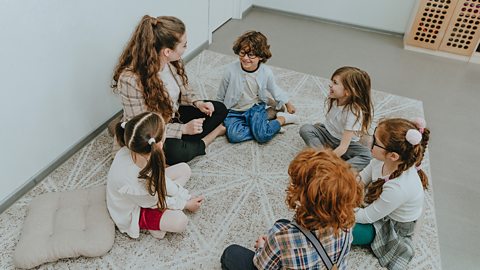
{"type": "Point", "coordinates": [323, 192]}
{"type": "Point", "coordinates": [141, 192]}
{"type": "Point", "coordinates": [349, 115]}
{"type": "Point", "coordinates": [395, 191]}
{"type": "Point", "coordinates": [150, 76]}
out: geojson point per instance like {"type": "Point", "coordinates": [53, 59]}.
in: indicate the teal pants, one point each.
{"type": "Point", "coordinates": [363, 234]}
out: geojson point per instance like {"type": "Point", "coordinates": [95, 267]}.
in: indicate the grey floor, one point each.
{"type": "Point", "coordinates": [449, 89]}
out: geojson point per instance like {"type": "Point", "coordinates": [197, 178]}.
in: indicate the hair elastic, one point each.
{"type": "Point", "coordinates": [420, 124]}
{"type": "Point", "coordinates": [418, 168]}
{"type": "Point", "coordinates": [414, 136]}
{"type": "Point", "coordinates": [151, 141]}
{"type": "Point", "coordinates": [123, 124]}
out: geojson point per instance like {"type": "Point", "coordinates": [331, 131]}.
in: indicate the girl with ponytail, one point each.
{"type": "Point", "coordinates": [141, 192]}
{"type": "Point", "coordinates": [150, 77]}
{"type": "Point", "coordinates": [395, 185]}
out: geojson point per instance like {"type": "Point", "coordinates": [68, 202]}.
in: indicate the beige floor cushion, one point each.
{"type": "Point", "coordinates": [65, 225]}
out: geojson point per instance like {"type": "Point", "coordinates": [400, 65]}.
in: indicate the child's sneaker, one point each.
{"type": "Point", "coordinates": [158, 234]}
{"type": "Point", "coordinates": [282, 130]}
{"type": "Point", "coordinates": [289, 118]}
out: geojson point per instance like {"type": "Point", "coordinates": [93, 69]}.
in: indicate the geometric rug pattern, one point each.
{"type": "Point", "coordinates": [244, 185]}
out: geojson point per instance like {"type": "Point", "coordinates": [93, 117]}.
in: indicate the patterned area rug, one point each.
{"type": "Point", "coordinates": [244, 185]}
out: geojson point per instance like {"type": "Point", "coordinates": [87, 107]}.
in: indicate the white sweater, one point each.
{"type": "Point", "coordinates": [126, 194]}
{"type": "Point", "coordinates": [401, 199]}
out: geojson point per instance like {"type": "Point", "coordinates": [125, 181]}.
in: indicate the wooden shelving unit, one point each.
{"type": "Point", "coordinates": [448, 28]}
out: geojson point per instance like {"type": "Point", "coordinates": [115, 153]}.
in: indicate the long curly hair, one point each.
{"type": "Point", "coordinates": [392, 133]}
{"type": "Point", "coordinates": [323, 191]}
{"type": "Point", "coordinates": [255, 42]}
{"type": "Point", "coordinates": [141, 56]}
{"type": "Point", "coordinates": [135, 136]}
{"type": "Point", "coordinates": [357, 84]}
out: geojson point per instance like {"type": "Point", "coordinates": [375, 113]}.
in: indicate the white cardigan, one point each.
{"type": "Point", "coordinates": [126, 194]}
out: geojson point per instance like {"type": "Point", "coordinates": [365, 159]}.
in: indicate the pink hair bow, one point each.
{"type": "Point", "coordinates": [420, 124]}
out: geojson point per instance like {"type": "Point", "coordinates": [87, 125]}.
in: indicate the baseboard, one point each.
{"type": "Point", "coordinates": [246, 11]}
{"type": "Point", "coordinates": [42, 174]}
{"type": "Point", "coordinates": [37, 178]}
{"type": "Point", "coordinates": [318, 19]}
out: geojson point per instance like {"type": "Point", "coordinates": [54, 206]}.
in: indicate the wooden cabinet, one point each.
{"type": "Point", "coordinates": [446, 27]}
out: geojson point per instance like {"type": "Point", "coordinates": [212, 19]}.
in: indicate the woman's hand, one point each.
{"type": "Point", "coordinates": [205, 107]}
{"type": "Point", "coordinates": [193, 127]}
{"type": "Point", "coordinates": [290, 107]}
{"type": "Point", "coordinates": [194, 203]}
{"type": "Point", "coordinates": [260, 242]}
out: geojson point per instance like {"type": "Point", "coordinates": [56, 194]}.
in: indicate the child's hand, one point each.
{"type": "Point", "coordinates": [205, 107]}
{"type": "Point", "coordinates": [194, 203]}
{"type": "Point", "coordinates": [193, 127]}
{"type": "Point", "coordinates": [290, 107]}
{"type": "Point", "coordinates": [260, 242]}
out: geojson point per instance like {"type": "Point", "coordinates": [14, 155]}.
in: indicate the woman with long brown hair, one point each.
{"type": "Point", "coordinates": [150, 76]}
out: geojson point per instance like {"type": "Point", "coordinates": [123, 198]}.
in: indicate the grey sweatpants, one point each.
{"type": "Point", "coordinates": [317, 136]}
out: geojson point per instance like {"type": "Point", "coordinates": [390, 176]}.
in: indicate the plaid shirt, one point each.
{"type": "Point", "coordinates": [287, 248]}
{"type": "Point", "coordinates": [134, 103]}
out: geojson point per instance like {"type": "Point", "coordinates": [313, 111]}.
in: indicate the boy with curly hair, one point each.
{"type": "Point", "coordinates": [245, 90]}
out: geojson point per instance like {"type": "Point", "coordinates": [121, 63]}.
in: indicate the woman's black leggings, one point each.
{"type": "Point", "coordinates": [190, 146]}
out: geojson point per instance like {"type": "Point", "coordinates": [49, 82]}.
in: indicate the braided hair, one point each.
{"type": "Point", "coordinates": [393, 134]}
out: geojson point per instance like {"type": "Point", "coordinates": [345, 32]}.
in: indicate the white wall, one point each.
{"type": "Point", "coordinates": [245, 4]}
{"type": "Point", "coordinates": [57, 60]}
{"type": "Point", "coordinates": [386, 15]}
{"type": "Point", "coordinates": [220, 12]}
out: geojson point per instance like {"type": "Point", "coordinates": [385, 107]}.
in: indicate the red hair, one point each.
{"type": "Point", "coordinates": [323, 191]}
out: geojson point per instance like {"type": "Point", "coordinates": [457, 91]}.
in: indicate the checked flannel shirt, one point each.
{"type": "Point", "coordinates": [134, 103]}
{"type": "Point", "coordinates": [287, 248]}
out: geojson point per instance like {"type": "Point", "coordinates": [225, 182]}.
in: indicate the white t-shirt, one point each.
{"type": "Point", "coordinates": [249, 95]}
{"type": "Point", "coordinates": [338, 120]}
{"type": "Point", "coordinates": [126, 194]}
{"type": "Point", "coordinates": [171, 84]}
{"type": "Point", "coordinates": [401, 199]}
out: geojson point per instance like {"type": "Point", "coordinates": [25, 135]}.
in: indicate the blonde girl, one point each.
{"type": "Point", "coordinates": [349, 115]}
{"type": "Point", "coordinates": [395, 194]}
{"type": "Point", "coordinates": [141, 192]}
{"type": "Point", "coordinates": [150, 76]}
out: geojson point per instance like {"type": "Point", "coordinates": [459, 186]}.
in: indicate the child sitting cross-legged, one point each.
{"type": "Point", "coordinates": [142, 193]}
{"type": "Point", "coordinates": [245, 90]}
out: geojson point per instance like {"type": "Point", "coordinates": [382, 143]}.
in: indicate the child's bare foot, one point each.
{"type": "Point", "coordinates": [158, 234]}
{"type": "Point", "coordinates": [194, 203]}
{"type": "Point", "coordinates": [218, 131]}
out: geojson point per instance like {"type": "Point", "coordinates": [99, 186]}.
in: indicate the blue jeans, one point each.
{"type": "Point", "coordinates": [250, 124]}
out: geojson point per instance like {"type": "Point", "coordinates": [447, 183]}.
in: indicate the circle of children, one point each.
{"type": "Point", "coordinates": [164, 125]}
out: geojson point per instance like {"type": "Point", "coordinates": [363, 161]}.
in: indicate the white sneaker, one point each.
{"type": "Point", "coordinates": [282, 130]}
{"type": "Point", "coordinates": [289, 118]}
{"type": "Point", "coordinates": [158, 234]}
